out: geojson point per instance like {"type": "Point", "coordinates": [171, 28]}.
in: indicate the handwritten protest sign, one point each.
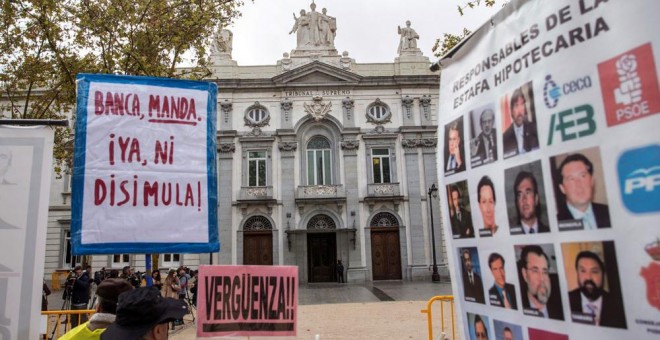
{"type": "Point", "coordinates": [247, 300]}
{"type": "Point", "coordinates": [144, 176]}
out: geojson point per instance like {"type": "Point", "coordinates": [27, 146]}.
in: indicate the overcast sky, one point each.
{"type": "Point", "coordinates": [367, 29]}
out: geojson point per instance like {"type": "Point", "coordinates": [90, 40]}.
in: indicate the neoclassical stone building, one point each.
{"type": "Point", "coordinates": [320, 158]}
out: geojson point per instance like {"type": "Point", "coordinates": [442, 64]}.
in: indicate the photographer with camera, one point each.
{"type": "Point", "coordinates": [127, 274]}
{"type": "Point", "coordinates": [78, 285]}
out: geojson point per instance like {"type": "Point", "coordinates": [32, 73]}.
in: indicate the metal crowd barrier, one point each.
{"type": "Point", "coordinates": [443, 327]}
{"type": "Point", "coordinates": [57, 318]}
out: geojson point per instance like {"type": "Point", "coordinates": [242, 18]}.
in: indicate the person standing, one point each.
{"type": "Point", "coordinates": [79, 295]}
{"type": "Point", "coordinates": [44, 297]}
{"type": "Point", "coordinates": [157, 281]}
{"type": "Point", "coordinates": [171, 289]}
{"type": "Point", "coordinates": [340, 272]}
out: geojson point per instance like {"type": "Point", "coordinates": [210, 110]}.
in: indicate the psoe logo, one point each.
{"type": "Point", "coordinates": [639, 179]}
{"type": "Point", "coordinates": [629, 85]}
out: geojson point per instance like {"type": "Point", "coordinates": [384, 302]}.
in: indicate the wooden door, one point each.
{"type": "Point", "coordinates": [385, 254]}
{"type": "Point", "coordinates": [322, 257]}
{"type": "Point", "coordinates": [258, 248]}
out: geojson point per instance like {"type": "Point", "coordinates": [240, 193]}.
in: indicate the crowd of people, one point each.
{"type": "Point", "coordinates": [128, 303]}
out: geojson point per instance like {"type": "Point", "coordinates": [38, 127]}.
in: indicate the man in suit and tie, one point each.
{"type": "Point", "coordinates": [590, 302]}
{"type": "Point", "coordinates": [461, 220]}
{"type": "Point", "coordinates": [472, 284]}
{"type": "Point", "coordinates": [455, 158]}
{"type": "Point", "coordinates": [537, 293]}
{"type": "Point", "coordinates": [501, 294]}
{"type": "Point", "coordinates": [521, 136]}
{"type": "Point", "coordinates": [576, 182]}
{"type": "Point", "coordinates": [528, 205]}
{"type": "Point", "coordinates": [487, 140]}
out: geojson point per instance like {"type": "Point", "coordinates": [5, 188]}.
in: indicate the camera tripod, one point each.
{"type": "Point", "coordinates": [66, 305]}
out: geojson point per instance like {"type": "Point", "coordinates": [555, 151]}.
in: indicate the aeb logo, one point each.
{"type": "Point", "coordinates": [639, 179]}
{"type": "Point", "coordinates": [572, 123]}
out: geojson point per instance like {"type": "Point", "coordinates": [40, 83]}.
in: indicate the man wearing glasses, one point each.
{"type": "Point", "coordinates": [537, 296]}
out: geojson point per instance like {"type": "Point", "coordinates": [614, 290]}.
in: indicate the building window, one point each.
{"type": "Point", "coordinates": [380, 161]}
{"type": "Point", "coordinates": [120, 260]}
{"type": "Point", "coordinates": [384, 219]}
{"type": "Point", "coordinates": [171, 261]}
{"type": "Point", "coordinates": [257, 168]}
{"type": "Point", "coordinates": [378, 112]}
{"type": "Point", "coordinates": [69, 261]}
{"type": "Point", "coordinates": [257, 223]}
{"type": "Point", "coordinates": [257, 116]}
{"type": "Point", "coordinates": [319, 162]}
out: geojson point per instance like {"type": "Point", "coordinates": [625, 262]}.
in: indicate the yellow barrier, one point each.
{"type": "Point", "coordinates": [55, 318]}
{"type": "Point", "coordinates": [429, 314]}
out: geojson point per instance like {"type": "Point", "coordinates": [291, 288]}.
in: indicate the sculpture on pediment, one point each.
{"type": "Point", "coordinates": [408, 40]}
{"type": "Point", "coordinates": [222, 41]}
{"type": "Point", "coordinates": [318, 109]}
{"type": "Point", "coordinates": [314, 30]}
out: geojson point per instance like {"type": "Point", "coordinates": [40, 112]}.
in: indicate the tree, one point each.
{"type": "Point", "coordinates": [449, 40]}
{"type": "Point", "coordinates": [44, 44]}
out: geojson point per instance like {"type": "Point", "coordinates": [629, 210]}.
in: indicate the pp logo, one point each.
{"type": "Point", "coordinates": [629, 85]}
{"type": "Point", "coordinates": [639, 179]}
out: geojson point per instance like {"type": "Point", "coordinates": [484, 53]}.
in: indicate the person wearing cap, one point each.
{"type": "Point", "coordinates": [107, 294]}
{"type": "Point", "coordinates": [143, 313]}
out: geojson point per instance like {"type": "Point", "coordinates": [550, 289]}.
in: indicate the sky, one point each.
{"type": "Point", "coordinates": [367, 29]}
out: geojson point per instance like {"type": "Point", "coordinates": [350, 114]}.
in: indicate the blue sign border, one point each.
{"type": "Point", "coordinates": [213, 245]}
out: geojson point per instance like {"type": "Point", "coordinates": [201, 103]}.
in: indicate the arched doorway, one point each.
{"type": "Point", "coordinates": [321, 249]}
{"type": "Point", "coordinates": [258, 241]}
{"type": "Point", "coordinates": [385, 247]}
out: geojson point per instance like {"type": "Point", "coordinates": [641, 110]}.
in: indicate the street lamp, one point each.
{"type": "Point", "coordinates": [433, 192]}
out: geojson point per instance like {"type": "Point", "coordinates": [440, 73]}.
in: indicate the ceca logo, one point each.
{"type": "Point", "coordinates": [639, 179]}
{"type": "Point", "coordinates": [552, 91]}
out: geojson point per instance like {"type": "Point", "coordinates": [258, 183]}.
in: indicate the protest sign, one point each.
{"type": "Point", "coordinates": [26, 161]}
{"type": "Point", "coordinates": [247, 301]}
{"type": "Point", "coordinates": [144, 176]}
{"type": "Point", "coordinates": [550, 115]}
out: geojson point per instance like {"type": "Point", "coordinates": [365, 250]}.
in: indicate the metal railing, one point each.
{"type": "Point", "coordinates": [429, 314]}
{"type": "Point", "coordinates": [57, 318]}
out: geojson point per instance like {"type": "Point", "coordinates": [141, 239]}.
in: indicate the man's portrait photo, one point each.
{"type": "Point", "coordinates": [460, 217]}
{"type": "Point", "coordinates": [454, 147]}
{"type": "Point", "coordinates": [483, 143]}
{"type": "Point", "coordinates": [592, 278]}
{"type": "Point", "coordinates": [507, 331]}
{"type": "Point", "coordinates": [580, 191]}
{"type": "Point", "coordinates": [486, 200]}
{"type": "Point", "coordinates": [501, 294]}
{"type": "Point", "coordinates": [473, 286]}
{"type": "Point", "coordinates": [519, 122]}
{"type": "Point", "coordinates": [539, 282]}
{"type": "Point", "coordinates": [478, 326]}
{"type": "Point", "coordinates": [526, 204]}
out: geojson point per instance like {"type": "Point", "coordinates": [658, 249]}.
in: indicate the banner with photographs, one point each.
{"type": "Point", "coordinates": [26, 164]}
{"type": "Point", "coordinates": [144, 175]}
{"type": "Point", "coordinates": [551, 171]}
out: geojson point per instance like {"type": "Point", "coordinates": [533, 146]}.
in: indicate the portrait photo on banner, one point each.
{"type": "Point", "coordinates": [519, 122]}
{"type": "Point", "coordinates": [473, 285]}
{"type": "Point", "coordinates": [525, 199]}
{"type": "Point", "coordinates": [507, 331]}
{"type": "Point", "coordinates": [539, 281]}
{"type": "Point", "coordinates": [592, 280]}
{"type": "Point", "coordinates": [483, 135]}
{"type": "Point", "coordinates": [502, 293]}
{"type": "Point", "coordinates": [540, 334]}
{"type": "Point", "coordinates": [488, 190]}
{"type": "Point", "coordinates": [460, 214]}
{"type": "Point", "coordinates": [580, 192]}
{"type": "Point", "coordinates": [454, 158]}
{"type": "Point", "coordinates": [478, 326]}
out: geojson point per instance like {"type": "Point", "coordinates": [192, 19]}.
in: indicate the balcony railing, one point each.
{"type": "Point", "coordinates": [383, 190]}
{"type": "Point", "coordinates": [256, 193]}
{"type": "Point", "coordinates": [321, 192]}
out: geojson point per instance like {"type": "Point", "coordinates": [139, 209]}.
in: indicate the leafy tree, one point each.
{"type": "Point", "coordinates": [449, 40]}
{"type": "Point", "coordinates": [44, 44]}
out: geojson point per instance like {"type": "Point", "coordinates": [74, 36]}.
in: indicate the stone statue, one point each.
{"type": "Point", "coordinates": [328, 27]}
{"type": "Point", "coordinates": [301, 28]}
{"type": "Point", "coordinates": [314, 31]}
{"type": "Point", "coordinates": [222, 41]}
{"type": "Point", "coordinates": [408, 38]}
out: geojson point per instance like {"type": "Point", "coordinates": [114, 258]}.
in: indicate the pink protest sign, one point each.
{"type": "Point", "coordinates": [247, 301]}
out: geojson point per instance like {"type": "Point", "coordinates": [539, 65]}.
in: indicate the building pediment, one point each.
{"type": "Point", "coordinates": [316, 73]}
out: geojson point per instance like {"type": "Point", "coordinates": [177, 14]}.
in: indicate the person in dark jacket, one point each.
{"type": "Point", "coordinates": [79, 294]}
